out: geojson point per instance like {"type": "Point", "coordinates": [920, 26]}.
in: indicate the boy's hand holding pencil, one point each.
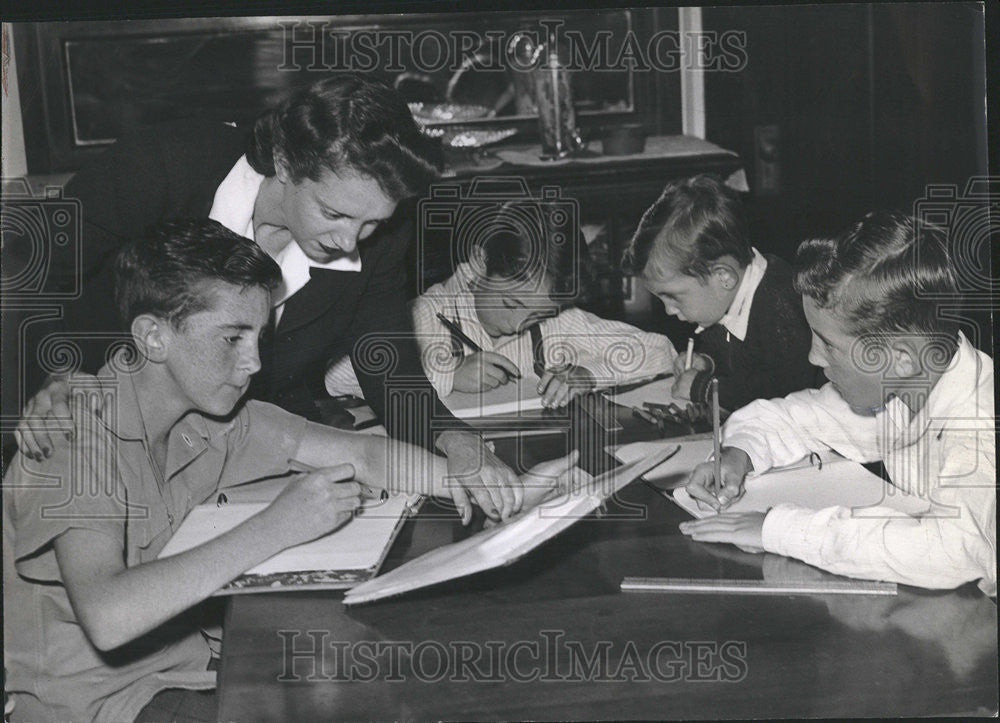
{"type": "Point", "coordinates": [483, 370]}
{"type": "Point", "coordinates": [315, 504]}
{"type": "Point", "coordinates": [705, 486]}
{"type": "Point", "coordinates": [685, 373]}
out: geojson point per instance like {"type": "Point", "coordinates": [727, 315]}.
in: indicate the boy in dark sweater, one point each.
{"type": "Point", "coordinates": [691, 251]}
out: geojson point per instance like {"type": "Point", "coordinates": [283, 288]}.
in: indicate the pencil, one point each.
{"type": "Point", "coordinates": [716, 436]}
{"type": "Point", "coordinates": [369, 493]}
{"type": "Point", "coordinates": [690, 353]}
{"type": "Point", "coordinates": [457, 331]}
{"type": "Point", "coordinates": [643, 414]}
{"type": "Point", "coordinates": [461, 335]}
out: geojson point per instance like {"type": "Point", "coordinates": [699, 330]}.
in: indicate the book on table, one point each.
{"type": "Point", "coordinates": [508, 541]}
{"type": "Point", "coordinates": [512, 398]}
{"type": "Point", "coordinates": [350, 555]}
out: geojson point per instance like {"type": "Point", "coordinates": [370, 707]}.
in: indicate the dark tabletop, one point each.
{"type": "Point", "coordinates": [550, 637]}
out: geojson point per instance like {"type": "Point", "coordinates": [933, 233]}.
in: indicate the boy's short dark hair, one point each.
{"type": "Point", "coordinates": [698, 220]}
{"type": "Point", "coordinates": [527, 238]}
{"type": "Point", "coordinates": [162, 273]}
{"type": "Point", "coordinates": [888, 273]}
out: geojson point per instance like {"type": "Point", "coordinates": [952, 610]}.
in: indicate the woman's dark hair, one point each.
{"type": "Point", "coordinates": [347, 122]}
{"type": "Point", "coordinates": [533, 240]}
{"type": "Point", "coordinates": [697, 221]}
{"type": "Point", "coordinates": [888, 273]}
{"type": "Point", "coordinates": [164, 272]}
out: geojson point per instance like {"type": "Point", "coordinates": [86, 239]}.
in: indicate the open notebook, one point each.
{"type": "Point", "coordinates": [835, 482]}
{"type": "Point", "coordinates": [352, 554]}
{"type": "Point", "coordinates": [505, 543]}
{"type": "Point", "coordinates": [510, 398]}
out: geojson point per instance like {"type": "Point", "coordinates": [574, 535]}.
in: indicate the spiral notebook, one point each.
{"type": "Point", "coordinates": [824, 481]}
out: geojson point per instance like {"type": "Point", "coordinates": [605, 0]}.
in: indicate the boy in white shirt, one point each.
{"type": "Point", "coordinates": [512, 297]}
{"type": "Point", "coordinates": [906, 387]}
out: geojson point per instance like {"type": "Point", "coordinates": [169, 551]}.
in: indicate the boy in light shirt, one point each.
{"type": "Point", "coordinates": [95, 623]}
{"type": "Point", "coordinates": [906, 387]}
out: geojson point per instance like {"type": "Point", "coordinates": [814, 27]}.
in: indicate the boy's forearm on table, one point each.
{"type": "Point", "coordinates": [400, 467]}
{"type": "Point", "coordinates": [928, 552]}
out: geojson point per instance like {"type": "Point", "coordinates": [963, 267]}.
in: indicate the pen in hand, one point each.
{"type": "Point", "coordinates": [367, 492]}
{"type": "Point", "coordinates": [464, 338]}
{"type": "Point", "coordinates": [457, 331]}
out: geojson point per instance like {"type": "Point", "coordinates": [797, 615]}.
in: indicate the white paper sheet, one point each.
{"type": "Point", "coordinates": [840, 482]}
{"type": "Point", "coordinates": [358, 545]}
{"type": "Point", "coordinates": [510, 398]}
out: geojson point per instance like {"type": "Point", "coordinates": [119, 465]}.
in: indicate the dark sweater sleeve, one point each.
{"type": "Point", "coordinates": [385, 354]}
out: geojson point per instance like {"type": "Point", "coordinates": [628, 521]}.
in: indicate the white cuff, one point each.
{"type": "Point", "coordinates": [786, 532]}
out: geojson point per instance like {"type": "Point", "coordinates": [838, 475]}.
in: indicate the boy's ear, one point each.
{"type": "Point", "coordinates": [151, 335]}
{"type": "Point", "coordinates": [725, 275]}
{"type": "Point", "coordinates": [905, 359]}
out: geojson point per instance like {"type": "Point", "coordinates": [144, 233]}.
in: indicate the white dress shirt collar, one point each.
{"type": "Point", "coordinates": [737, 317]}
{"type": "Point", "coordinates": [233, 208]}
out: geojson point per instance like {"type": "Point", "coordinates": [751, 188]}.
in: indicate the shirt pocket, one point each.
{"type": "Point", "coordinates": [146, 536]}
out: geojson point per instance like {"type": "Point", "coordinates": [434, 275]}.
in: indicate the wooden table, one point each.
{"type": "Point", "coordinates": [552, 638]}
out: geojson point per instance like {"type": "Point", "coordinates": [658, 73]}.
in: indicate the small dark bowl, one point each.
{"type": "Point", "coordinates": [624, 140]}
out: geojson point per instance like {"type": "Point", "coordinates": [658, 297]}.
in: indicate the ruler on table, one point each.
{"type": "Point", "coordinates": [758, 587]}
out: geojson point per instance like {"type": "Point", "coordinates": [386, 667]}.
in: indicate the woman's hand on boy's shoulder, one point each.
{"type": "Point", "coordinates": [559, 387]}
{"type": "Point", "coordinates": [483, 370]}
{"type": "Point", "coordinates": [46, 419]}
